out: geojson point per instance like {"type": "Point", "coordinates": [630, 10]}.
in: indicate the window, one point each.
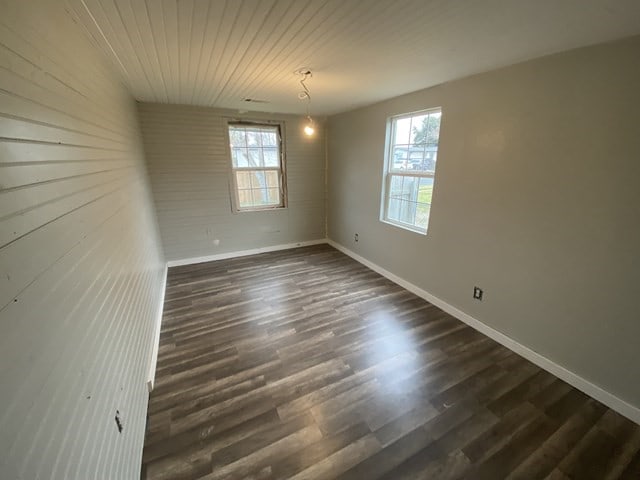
{"type": "Point", "coordinates": [257, 166]}
{"type": "Point", "coordinates": [410, 166]}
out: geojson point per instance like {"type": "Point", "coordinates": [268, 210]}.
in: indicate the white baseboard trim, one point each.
{"type": "Point", "coordinates": [608, 399]}
{"type": "Point", "coordinates": [156, 335]}
{"type": "Point", "coordinates": [243, 253]}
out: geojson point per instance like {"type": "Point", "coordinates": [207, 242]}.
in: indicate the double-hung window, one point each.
{"type": "Point", "coordinates": [257, 166]}
{"type": "Point", "coordinates": [410, 167]}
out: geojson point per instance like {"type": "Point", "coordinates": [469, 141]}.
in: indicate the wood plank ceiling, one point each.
{"type": "Point", "coordinates": [218, 52]}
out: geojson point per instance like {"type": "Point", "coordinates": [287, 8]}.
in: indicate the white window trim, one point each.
{"type": "Point", "coordinates": [233, 187]}
{"type": "Point", "coordinates": [388, 172]}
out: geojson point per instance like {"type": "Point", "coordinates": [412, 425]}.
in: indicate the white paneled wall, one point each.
{"type": "Point", "coordinates": [81, 268]}
{"type": "Point", "coordinates": [188, 165]}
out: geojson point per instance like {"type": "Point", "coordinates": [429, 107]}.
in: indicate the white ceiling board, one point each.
{"type": "Point", "coordinates": [217, 52]}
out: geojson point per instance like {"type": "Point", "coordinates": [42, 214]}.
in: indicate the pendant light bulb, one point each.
{"type": "Point", "coordinates": [308, 129]}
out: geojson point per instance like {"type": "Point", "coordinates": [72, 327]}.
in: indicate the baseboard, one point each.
{"type": "Point", "coordinates": [608, 399]}
{"type": "Point", "coordinates": [243, 253]}
{"type": "Point", "coordinates": [156, 336]}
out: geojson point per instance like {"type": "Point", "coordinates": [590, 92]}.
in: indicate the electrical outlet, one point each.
{"type": "Point", "coordinates": [355, 238]}
{"type": "Point", "coordinates": [477, 293]}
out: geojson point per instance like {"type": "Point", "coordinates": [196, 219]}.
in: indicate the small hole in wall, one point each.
{"type": "Point", "coordinates": [119, 421]}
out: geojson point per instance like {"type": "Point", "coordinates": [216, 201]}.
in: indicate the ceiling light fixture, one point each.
{"type": "Point", "coordinates": [309, 128]}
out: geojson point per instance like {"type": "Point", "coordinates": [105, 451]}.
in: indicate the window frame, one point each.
{"type": "Point", "coordinates": [389, 172]}
{"type": "Point", "coordinates": [282, 177]}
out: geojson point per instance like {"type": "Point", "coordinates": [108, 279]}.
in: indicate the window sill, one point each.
{"type": "Point", "coordinates": [254, 210]}
{"type": "Point", "coordinates": [405, 227]}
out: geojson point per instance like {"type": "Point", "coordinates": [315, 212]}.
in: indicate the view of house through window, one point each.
{"type": "Point", "coordinates": [257, 166]}
{"type": "Point", "coordinates": [410, 168]}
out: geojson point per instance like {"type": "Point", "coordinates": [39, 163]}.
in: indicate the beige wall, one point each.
{"type": "Point", "coordinates": [81, 268]}
{"type": "Point", "coordinates": [536, 200]}
{"type": "Point", "coordinates": [188, 165]}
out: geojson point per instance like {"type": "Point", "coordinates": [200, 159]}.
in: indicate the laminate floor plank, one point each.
{"type": "Point", "coordinates": [545, 459]}
{"type": "Point", "coordinates": [305, 364]}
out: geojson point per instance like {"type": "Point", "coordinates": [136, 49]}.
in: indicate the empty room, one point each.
{"type": "Point", "coordinates": [319, 239]}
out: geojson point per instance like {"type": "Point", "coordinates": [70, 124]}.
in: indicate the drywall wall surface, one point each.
{"type": "Point", "coordinates": [536, 200]}
{"type": "Point", "coordinates": [187, 156]}
{"type": "Point", "coordinates": [80, 260]}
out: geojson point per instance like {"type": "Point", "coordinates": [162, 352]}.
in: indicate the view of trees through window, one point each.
{"type": "Point", "coordinates": [413, 154]}
{"type": "Point", "coordinates": [257, 166]}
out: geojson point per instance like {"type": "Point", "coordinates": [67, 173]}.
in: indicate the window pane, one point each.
{"type": "Point", "coordinates": [258, 180]}
{"type": "Point", "coordinates": [239, 157]}
{"type": "Point", "coordinates": [416, 157]}
{"type": "Point", "coordinates": [274, 195]}
{"type": "Point", "coordinates": [253, 138]}
{"type": "Point", "coordinates": [400, 157]}
{"type": "Point", "coordinates": [407, 214]}
{"type": "Point", "coordinates": [255, 198]}
{"type": "Point", "coordinates": [245, 198]}
{"type": "Point", "coordinates": [405, 188]}
{"type": "Point", "coordinates": [271, 178]}
{"type": "Point", "coordinates": [431, 154]}
{"type": "Point", "coordinates": [269, 138]}
{"type": "Point", "coordinates": [410, 188]}
{"type": "Point", "coordinates": [419, 129]}
{"type": "Point", "coordinates": [402, 211]}
{"type": "Point", "coordinates": [271, 157]}
{"type": "Point", "coordinates": [422, 215]}
{"type": "Point", "coordinates": [266, 196]}
{"type": "Point", "coordinates": [433, 129]}
{"type": "Point", "coordinates": [243, 180]}
{"type": "Point", "coordinates": [255, 157]}
{"type": "Point", "coordinates": [237, 137]}
{"type": "Point", "coordinates": [393, 212]}
{"type": "Point", "coordinates": [395, 189]}
{"type": "Point", "coordinates": [416, 153]}
{"type": "Point", "coordinates": [425, 191]}
{"type": "Point", "coordinates": [402, 131]}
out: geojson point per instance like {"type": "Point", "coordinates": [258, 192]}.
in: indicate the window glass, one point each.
{"type": "Point", "coordinates": [257, 166]}
{"type": "Point", "coordinates": [410, 169]}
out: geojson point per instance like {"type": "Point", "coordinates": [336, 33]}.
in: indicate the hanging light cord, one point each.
{"type": "Point", "coordinates": [305, 94]}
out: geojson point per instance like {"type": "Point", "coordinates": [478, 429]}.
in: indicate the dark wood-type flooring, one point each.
{"type": "Point", "coordinates": [305, 364]}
